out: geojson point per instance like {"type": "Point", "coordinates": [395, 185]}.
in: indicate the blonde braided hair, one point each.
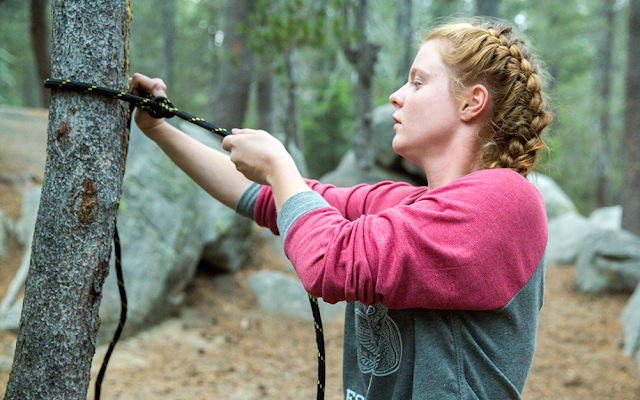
{"type": "Point", "coordinates": [493, 55]}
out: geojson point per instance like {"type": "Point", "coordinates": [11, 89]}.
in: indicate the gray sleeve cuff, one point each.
{"type": "Point", "coordinates": [247, 202]}
{"type": "Point", "coordinates": [296, 206]}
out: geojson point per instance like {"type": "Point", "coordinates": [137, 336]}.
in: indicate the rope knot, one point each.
{"type": "Point", "coordinates": [158, 107]}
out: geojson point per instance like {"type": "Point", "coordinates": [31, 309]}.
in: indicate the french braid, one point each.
{"type": "Point", "coordinates": [493, 55]}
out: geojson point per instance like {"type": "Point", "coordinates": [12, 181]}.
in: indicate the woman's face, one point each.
{"type": "Point", "coordinates": [426, 111]}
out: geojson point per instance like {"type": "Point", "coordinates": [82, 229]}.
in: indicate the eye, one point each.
{"type": "Point", "coordinates": [416, 83]}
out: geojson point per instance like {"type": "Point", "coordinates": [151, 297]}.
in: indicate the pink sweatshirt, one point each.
{"type": "Point", "coordinates": [469, 245]}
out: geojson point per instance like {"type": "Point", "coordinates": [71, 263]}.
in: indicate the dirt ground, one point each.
{"type": "Point", "coordinates": [223, 347]}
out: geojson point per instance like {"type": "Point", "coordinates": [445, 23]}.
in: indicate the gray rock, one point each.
{"type": "Point", "coordinates": [566, 233]}
{"type": "Point", "coordinates": [343, 175]}
{"type": "Point", "coordinates": [555, 200]}
{"type": "Point", "coordinates": [608, 261]}
{"type": "Point", "coordinates": [225, 235]}
{"type": "Point", "coordinates": [382, 125]}
{"type": "Point", "coordinates": [607, 218]}
{"type": "Point", "coordinates": [5, 363]}
{"type": "Point", "coordinates": [630, 322]}
{"type": "Point", "coordinates": [295, 152]}
{"type": "Point", "coordinates": [3, 234]}
{"type": "Point", "coordinates": [165, 221]}
{"type": "Point", "coordinates": [26, 225]}
{"type": "Point", "coordinates": [11, 305]}
{"type": "Point", "coordinates": [280, 293]}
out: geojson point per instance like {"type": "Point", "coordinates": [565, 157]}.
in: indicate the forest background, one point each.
{"type": "Point", "coordinates": [293, 74]}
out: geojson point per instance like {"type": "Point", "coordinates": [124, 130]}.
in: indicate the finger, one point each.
{"type": "Point", "coordinates": [226, 143]}
{"type": "Point", "coordinates": [140, 83]}
{"type": "Point", "coordinates": [158, 90]}
{"type": "Point", "coordinates": [237, 131]}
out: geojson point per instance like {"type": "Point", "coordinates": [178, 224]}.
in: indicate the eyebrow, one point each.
{"type": "Point", "coordinates": [418, 71]}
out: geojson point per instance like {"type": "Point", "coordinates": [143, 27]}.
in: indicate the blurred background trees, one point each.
{"type": "Point", "coordinates": [288, 66]}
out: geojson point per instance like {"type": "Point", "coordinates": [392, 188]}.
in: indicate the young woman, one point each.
{"type": "Point", "coordinates": [444, 283]}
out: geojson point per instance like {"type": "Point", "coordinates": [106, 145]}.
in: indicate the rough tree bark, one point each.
{"type": "Point", "coordinates": [488, 8]}
{"type": "Point", "coordinates": [234, 78]}
{"type": "Point", "coordinates": [363, 55]}
{"type": "Point", "coordinates": [604, 74]}
{"type": "Point", "coordinates": [631, 190]}
{"type": "Point", "coordinates": [80, 195]}
{"type": "Point", "coordinates": [40, 43]}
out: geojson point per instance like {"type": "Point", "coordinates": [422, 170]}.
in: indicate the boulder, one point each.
{"type": "Point", "coordinates": [556, 201]}
{"type": "Point", "coordinates": [630, 322]}
{"type": "Point", "coordinates": [281, 293]}
{"type": "Point", "coordinates": [3, 234]}
{"type": "Point", "coordinates": [294, 151]}
{"type": "Point", "coordinates": [608, 261]}
{"type": "Point", "coordinates": [25, 226]}
{"type": "Point", "coordinates": [607, 218]}
{"type": "Point", "coordinates": [566, 233]}
{"type": "Point", "coordinates": [226, 247]}
{"type": "Point", "coordinates": [11, 305]}
{"type": "Point", "coordinates": [383, 133]}
{"type": "Point", "coordinates": [165, 221]}
{"type": "Point", "coordinates": [6, 363]}
{"type": "Point", "coordinates": [343, 175]}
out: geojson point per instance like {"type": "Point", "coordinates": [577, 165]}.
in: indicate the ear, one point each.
{"type": "Point", "coordinates": [474, 103]}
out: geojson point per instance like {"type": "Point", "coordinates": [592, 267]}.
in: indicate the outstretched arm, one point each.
{"type": "Point", "coordinates": [209, 168]}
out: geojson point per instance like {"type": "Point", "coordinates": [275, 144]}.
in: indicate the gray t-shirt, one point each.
{"type": "Point", "coordinates": [419, 353]}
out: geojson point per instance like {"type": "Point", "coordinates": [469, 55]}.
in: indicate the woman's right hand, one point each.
{"type": "Point", "coordinates": [141, 84]}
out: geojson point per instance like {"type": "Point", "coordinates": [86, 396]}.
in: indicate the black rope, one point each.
{"type": "Point", "coordinates": [158, 107]}
{"type": "Point", "coordinates": [317, 321]}
{"type": "Point", "coordinates": [123, 315]}
{"type": "Point", "coordinates": [161, 107]}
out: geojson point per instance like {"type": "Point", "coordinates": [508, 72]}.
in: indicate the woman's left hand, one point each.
{"type": "Point", "coordinates": [258, 155]}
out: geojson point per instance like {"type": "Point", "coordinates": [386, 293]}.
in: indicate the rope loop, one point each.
{"type": "Point", "coordinates": [159, 107]}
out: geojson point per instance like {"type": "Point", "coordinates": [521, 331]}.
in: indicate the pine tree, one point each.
{"type": "Point", "coordinates": [80, 195]}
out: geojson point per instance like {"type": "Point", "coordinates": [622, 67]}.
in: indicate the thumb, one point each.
{"type": "Point", "coordinates": [158, 90]}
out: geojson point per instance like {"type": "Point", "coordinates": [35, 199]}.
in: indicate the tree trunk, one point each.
{"type": "Point", "coordinates": [40, 43]}
{"type": "Point", "coordinates": [290, 125]}
{"type": "Point", "coordinates": [168, 8]}
{"type": "Point", "coordinates": [76, 219]}
{"type": "Point", "coordinates": [443, 8]}
{"type": "Point", "coordinates": [602, 148]}
{"type": "Point", "coordinates": [364, 57]}
{"type": "Point", "coordinates": [234, 78]}
{"type": "Point", "coordinates": [404, 29]}
{"type": "Point", "coordinates": [265, 102]}
{"type": "Point", "coordinates": [631, 191]}
{"type": "Point", "coordinates": [488, 8]}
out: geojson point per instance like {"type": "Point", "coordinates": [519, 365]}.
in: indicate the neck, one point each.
{"type": "Point", "coordinates": [458, 160]}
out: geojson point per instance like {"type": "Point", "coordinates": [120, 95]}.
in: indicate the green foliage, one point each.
{"type": "Point", "coordinates": [197, 53]}
{"type": "Point", "coordinates": [326, 126]}
{"type": "Point", "coordinates": [21, 87]}
{"type": "Point", "coordinates": [278, 26]}
{"type": "Point", "coordinates": [7, 81]}
{"type": "Point", "coordinates": [567, 35]}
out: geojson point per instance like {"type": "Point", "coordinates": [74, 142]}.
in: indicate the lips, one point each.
{"type": "Point", "coordinates": [398, 123]}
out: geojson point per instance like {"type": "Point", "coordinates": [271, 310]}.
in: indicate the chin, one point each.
{"type": "Point", "coordinates": [396, 144]}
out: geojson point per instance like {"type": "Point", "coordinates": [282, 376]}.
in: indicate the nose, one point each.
{"type": "Point", "coordinates": [397, 98]}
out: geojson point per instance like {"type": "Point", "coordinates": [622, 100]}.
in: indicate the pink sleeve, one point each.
{"type": "Point", "coordinates": [351, 202]}
{"type": "Point", "coordinates": [469, 245]}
